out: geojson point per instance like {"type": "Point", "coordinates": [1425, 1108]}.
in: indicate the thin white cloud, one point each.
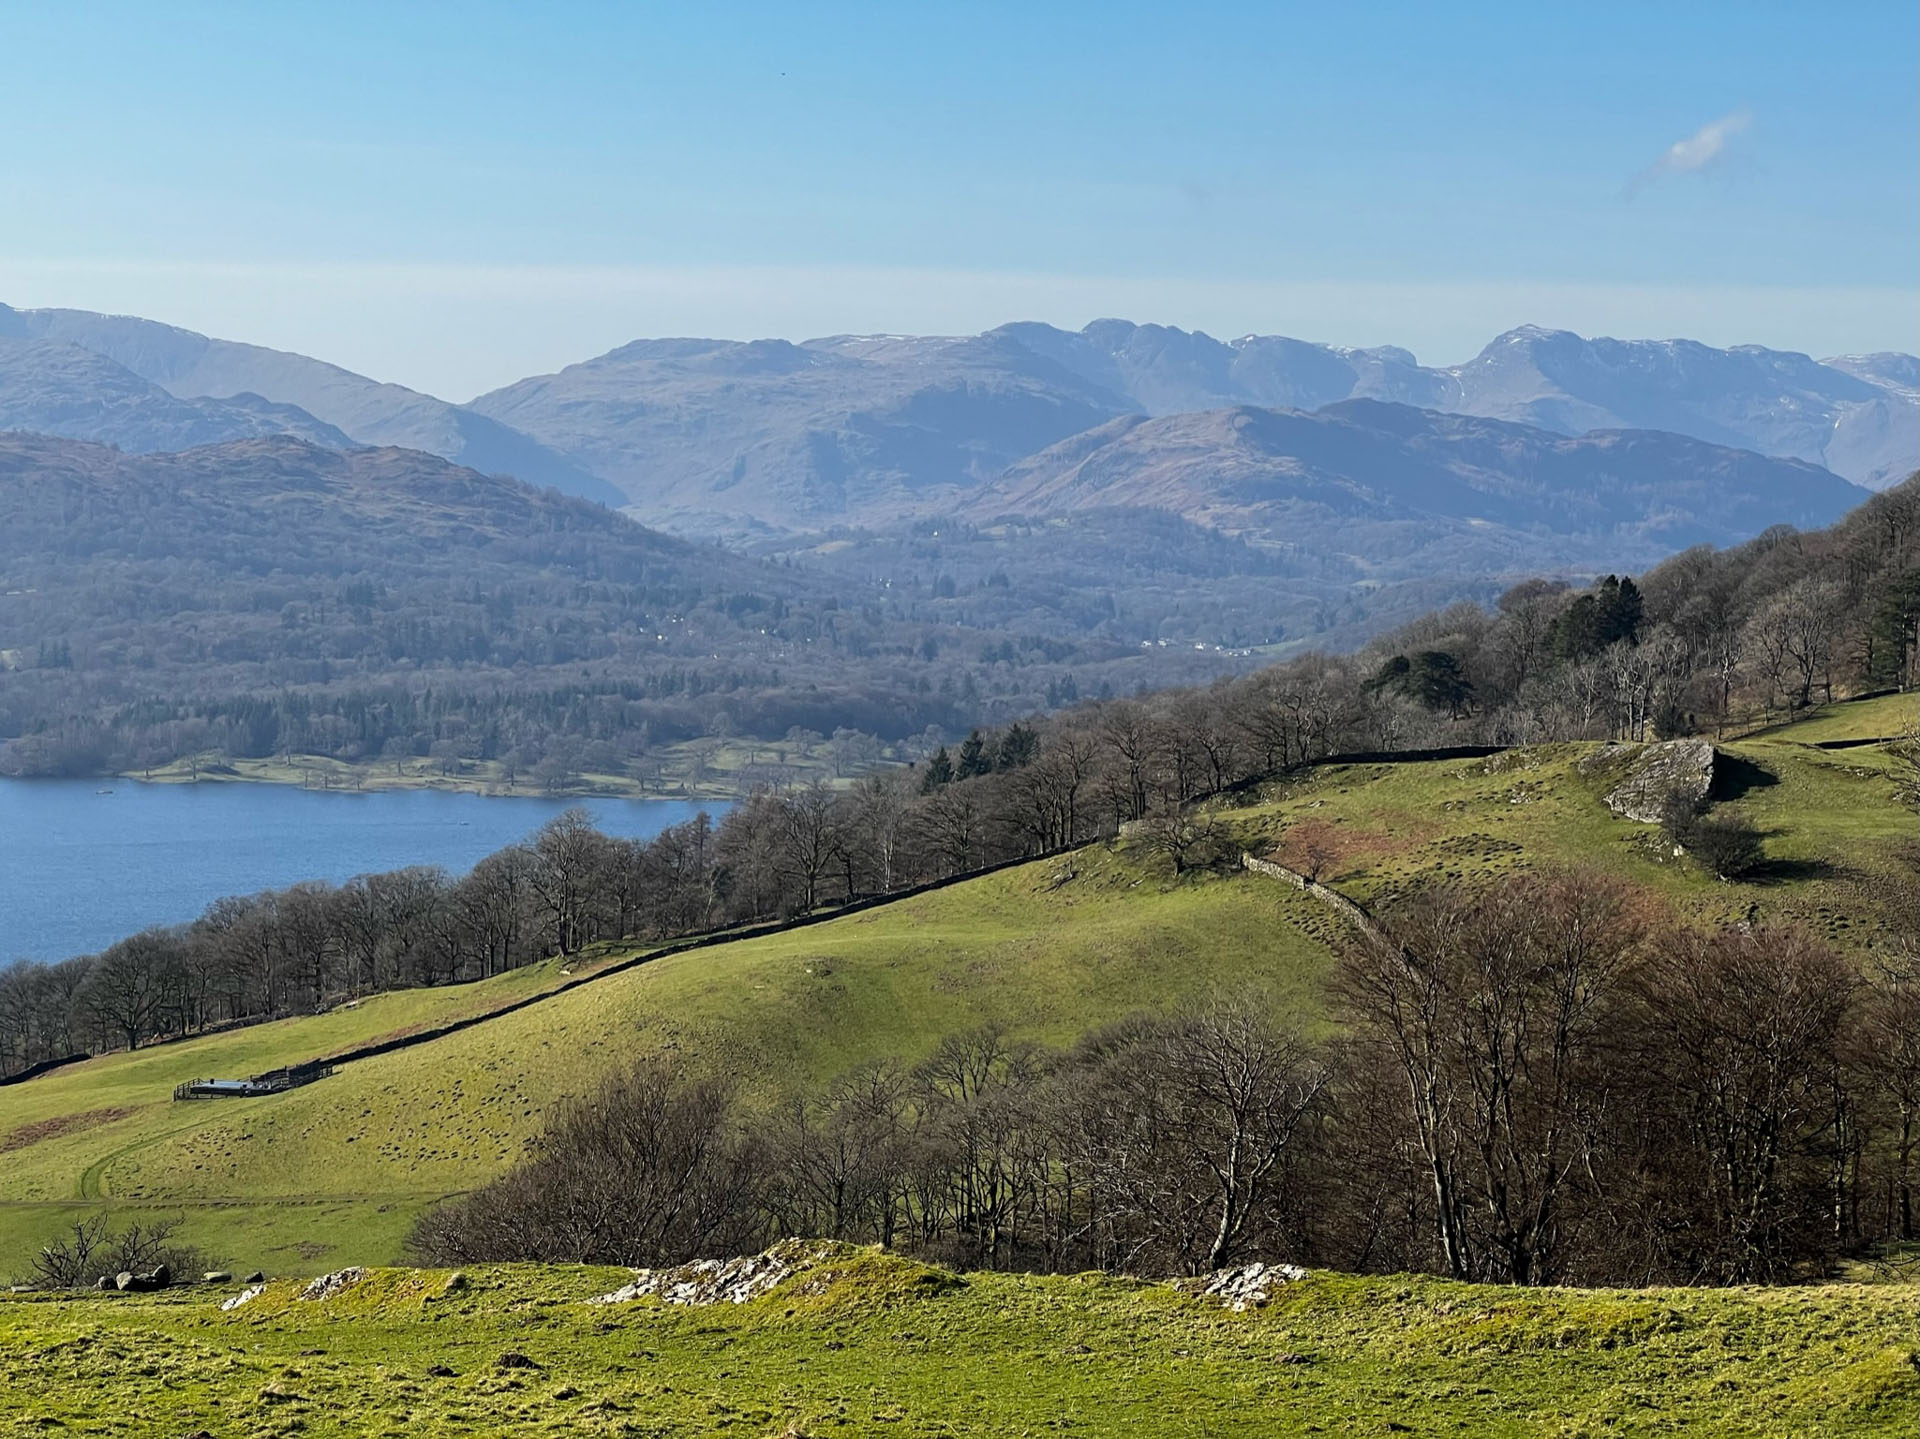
{"type": "Point", "coordinates": [1696, 152]}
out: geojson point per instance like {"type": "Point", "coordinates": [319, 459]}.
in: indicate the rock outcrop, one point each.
{"type": "Point", "coordinates": [1246, 1286]}
{"type": "Point", "coordinates": [328, 1285]}
{"type": "Point", "coordinates": [726, 1281]}
{"type": "Point", "coordinates": [128, 1282]}
{"type": "Point", "coordinates": [1652, 775]}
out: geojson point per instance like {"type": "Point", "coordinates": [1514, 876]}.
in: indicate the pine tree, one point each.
{"type": "Point", "coordinates": [973, 757]}
{"type": "Point", "coordinates": [939, 772]}
{"type": "Point", "coordinates": [1018, 748]}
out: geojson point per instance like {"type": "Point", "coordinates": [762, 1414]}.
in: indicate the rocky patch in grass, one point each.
{"type": "Point", "coordinates": [328, 1285]}
{"type": "Point", "coordinates": [1245, 1286]}
{"type": "Point", "coordinates": [821, 1273]}
{"type": "Point", "coordinates": [729, 1281]}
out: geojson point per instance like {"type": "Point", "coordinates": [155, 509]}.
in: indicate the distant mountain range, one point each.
{"type": "Point", "coordinates": [725, 435]}
{"type": "Point", "coordinates": [1403, 491]}
{"type": "Point", "coordinates": [713, 435]}
{"type": "Point", "coordinates": [1858, 416]}
{"type": "Point", "coordinates": [1348, 472]}
{"type": "Point", "coordinates": [940, 527]}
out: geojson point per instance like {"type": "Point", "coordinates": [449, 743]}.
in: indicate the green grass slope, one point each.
{"type": "Point", "coordinates": [876, 1345]}
{"type": "Point", "coordinates": [1830, 821]}
{"type": "Point", "coordinates": [333, 1173]}
{"type": "Point", "coordinates": [1882, 717]}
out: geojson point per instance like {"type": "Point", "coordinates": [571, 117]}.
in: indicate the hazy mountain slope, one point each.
{"type": "Point", "coordinates": [719, 435]}
{"type": "Point", "coordinates": [763, 436]}
{"type": "Point", "coordinates": [1164, 370]}
{"type": "Point", "coordinates": [1773, 401]}
{"type": "Point", "coordinates": [52, 388]}
{"type": "Point", "coordinates": [1858, 416]}
{"type": "Point", "coordinates": [366, 411]}
{"type": "Point", "coordinates": [1880, 439]}
{"type": "Point", "coordinates": [1402, 487]}
{"type": "Point", "coordinates": [269, 596]}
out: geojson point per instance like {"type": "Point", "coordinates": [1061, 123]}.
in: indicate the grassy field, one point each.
{"type": "Point", "coordinates": [1882, 717]}
{"type": "Point", "coordinates": [334, 1173]}
{"type": "Point", "coordinates": [871, 1344]}
{"type": "Point", "coordinates": [277, 1181]}
{"type": "Point", "coordinates": [1829, 820]}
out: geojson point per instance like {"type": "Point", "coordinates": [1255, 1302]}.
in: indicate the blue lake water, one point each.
{"type": "Point", "coordinates": [80, 868]}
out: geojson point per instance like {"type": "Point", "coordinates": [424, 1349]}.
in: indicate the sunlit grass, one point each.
{"type": "Point", "coordinates": [404, 1353]}
{"type": "Point", "coordinates": [332, 1173]}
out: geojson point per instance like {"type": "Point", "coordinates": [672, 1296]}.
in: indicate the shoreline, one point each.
{"type": "Point", "coordinates": [326, 775]}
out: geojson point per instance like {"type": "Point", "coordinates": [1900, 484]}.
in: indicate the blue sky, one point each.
{"type": "Point", "coordinates": [452, 196]}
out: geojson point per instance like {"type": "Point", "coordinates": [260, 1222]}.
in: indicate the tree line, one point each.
{"type": "Point", "coordinates": [1022, 790]}
{"type": "Point", "coordinates": [1534, 1084]}
{"type": "Point", "coordinates": [1671, 651]}
{"type": "Point", "coordinates": [1027, 789]}
{"type": "Point", "coordinates": [1703, 641]}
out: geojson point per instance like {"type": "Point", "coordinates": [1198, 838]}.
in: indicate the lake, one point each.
{"type": "Point", "coordinates": [80, 868]}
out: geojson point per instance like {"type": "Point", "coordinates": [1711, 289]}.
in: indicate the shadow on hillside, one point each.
{"type": "Point", "coordinates": [1734, 777]}
{"type": "Point", "coordinates": [1789, 871]}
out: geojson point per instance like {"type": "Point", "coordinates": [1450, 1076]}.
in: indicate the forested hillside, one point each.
{"type": "Point", "coordinates": [270, 596]}
{"type": "Point", "coordinates": [1709, 643]}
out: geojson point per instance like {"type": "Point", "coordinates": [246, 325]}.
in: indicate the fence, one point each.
{"type": "Point", "coordinates": [274, 1081]}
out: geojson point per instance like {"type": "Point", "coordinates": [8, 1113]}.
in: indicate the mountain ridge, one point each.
{"type": "Point", "coordinates": [1367, 467]}
{"type": "Point", "coordinates": [755, 440]}
{"type": "Point", "coordinates": [191, 366]}
{"type": "Point", "coordinates": [713, 434]}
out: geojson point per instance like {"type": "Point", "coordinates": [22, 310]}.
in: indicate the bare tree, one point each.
{"type": "Point", "coordinates": [566, 856]}
{"type": "Point", "coordinates": [1242, 1090]}
{"type": "Point", "coordinates": [1735, 1040]}
{"type": "Point", "coordinates": [808, 839]}
{"type": "Point", "coordinates": [653, 1169]}
{"type": "Point", "coordinates": [128, 984]}
{"type": "Point", "coordinates": [1491, 1007]}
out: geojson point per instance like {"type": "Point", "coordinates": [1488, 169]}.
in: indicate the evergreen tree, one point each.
{"type": "Point", "coordinates": [1018, 748]}
{"type": "Point", "coordinates": [974, 759]}
{"type": "Point", "coordinates": [1895, 632]}
{"type": "Point", "coordinates": [939, 772]}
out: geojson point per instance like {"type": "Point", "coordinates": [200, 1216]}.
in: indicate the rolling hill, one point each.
{"type": "Point", "coordinates": [1409, 491]}
{"type": "Point", "coordinates": [269, 592]}
{"type": "Point", "coordinates": [334, 1172]}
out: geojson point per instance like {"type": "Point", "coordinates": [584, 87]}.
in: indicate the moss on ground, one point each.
{"type": "Point", "coordinates": [517, 1350]}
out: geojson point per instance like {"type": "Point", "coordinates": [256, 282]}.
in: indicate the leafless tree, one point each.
{"type": "Point", "coordinates": [1491, 1008]}
{"type": "Point", "coordinates": [653, 1169]}
{"type": "Point", "coordinates": [1736, 1044]}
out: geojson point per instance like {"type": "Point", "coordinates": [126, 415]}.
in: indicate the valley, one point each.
{"type": "Point", "coordinates": [810, 723]}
